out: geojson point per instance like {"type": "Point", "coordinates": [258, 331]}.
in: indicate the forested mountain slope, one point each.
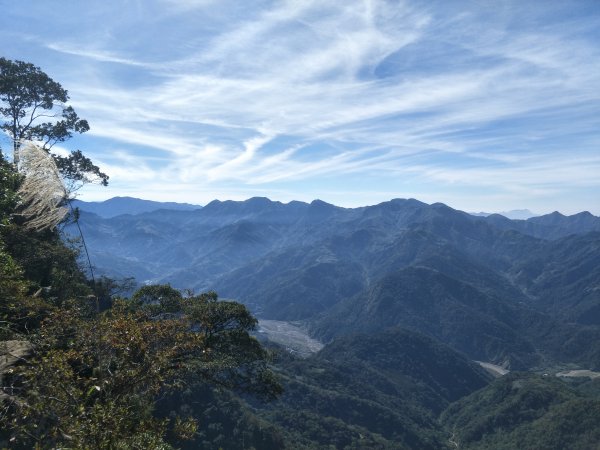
{"type": "Point", "coordinates": [117, 206]}
{"type": "Point", "coordinates": [520, 293]}
{"type": "Point", "coordinates": [525, 411]}
{"type": "Point", "coordinates": [484, 326]}
{"type": "Point", "coordinates": [383, 390]}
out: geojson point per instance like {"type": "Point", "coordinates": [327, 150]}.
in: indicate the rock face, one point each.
{"type": "Point", "coordinates": [11, 352]}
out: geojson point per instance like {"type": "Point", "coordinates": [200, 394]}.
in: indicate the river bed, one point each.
{"type": "Point", "coordinates": [292, 337]}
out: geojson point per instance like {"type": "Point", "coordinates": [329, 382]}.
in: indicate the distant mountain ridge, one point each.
{"type": "Point", "coordinates": [514, 214]}
{"type": "Point", "coordinates": [130, 205]}
{"type": "Point", "coordinates": [117, 206]}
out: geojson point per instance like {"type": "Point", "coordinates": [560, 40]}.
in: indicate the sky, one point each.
{"type": "Point", "coordinates": [483, 105]}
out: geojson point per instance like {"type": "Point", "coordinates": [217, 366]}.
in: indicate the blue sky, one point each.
{"type": "Point", "coordinates": [483, 105]}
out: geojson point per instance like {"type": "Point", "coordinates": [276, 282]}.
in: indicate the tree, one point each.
{"type": "Point", "coordinates": [229, 356]}
{"type": "Point", "coordinates": [92, 380]}
{"type": "Point", "coordinates": [35, 108]}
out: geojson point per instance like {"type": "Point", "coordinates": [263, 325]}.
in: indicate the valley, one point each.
{"type": "Point", "coordinates": [393, 326]}
{"type": "Point", "coordinates": [515, 293]}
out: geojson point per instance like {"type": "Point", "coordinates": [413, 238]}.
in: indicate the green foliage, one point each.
{"type": "Point", "coordinates": [574, 424]}
{"type": "Point", "coordinates": [47, 263]}
{"type": "Point", "coordinates": [158, 299]}
{"type": "Point", "coordinates": [17, 311]}
{"type": "Point", "coordinates": [28, 94]}
{"type": "Point", "coordinates": [230, 356]}
{"type": "Point", "coordinates": [79, 169]}
{"type": "Point", "coordinates": [9, 184]}
{"type": "Point", "coordinates": [93, 381]}
{"type": "Point", "coordinates": [92, 378]}
{"type": "Point", "coordinates": [224, 420]}
{"type": "Point", "coordinates": [371, 391]}
{"type": "Point", "coordinates": [444, 374]}
{"type": "Point", "coordinates": [525, 411]}
{"type": "Point", "coordinates": [107, 289]}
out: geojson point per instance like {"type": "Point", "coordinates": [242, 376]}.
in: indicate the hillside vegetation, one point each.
{"type": "Point", "coordinates": [83, 370]}
{"type": "Point", "coordinates": [525, 411]}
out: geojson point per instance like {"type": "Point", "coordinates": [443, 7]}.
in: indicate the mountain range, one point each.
{"type": "Point", "coordinates": [117, 206]}
{"type": "Point", "coordinates": [518, 293]}
{"type": "Point", "coordinates": [405, 296]}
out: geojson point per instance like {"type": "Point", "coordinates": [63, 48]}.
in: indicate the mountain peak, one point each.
{"type": "Point", "coordinates": [396, 202]}
{"type": "Point", "coordinates": [584, 214]}
{"type": "Point", "coordinates": [556, 214]}
{"type": "Point", "coordinates": [319, 202]}
{"type": "Point", "coordinates": [259, 201]}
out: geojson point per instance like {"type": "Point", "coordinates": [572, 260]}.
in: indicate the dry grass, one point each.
{"type": "Point", "coordinates": [42, 192]}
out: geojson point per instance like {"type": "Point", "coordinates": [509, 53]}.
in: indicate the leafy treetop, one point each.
{"type": "Point", "coordinates": [35, 108]}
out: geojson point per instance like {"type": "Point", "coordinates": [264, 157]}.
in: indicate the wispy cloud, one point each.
{"type": "Point", "coordinates": [306, 92]}
{"type": "Point", "coordinates": [100, 56]}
